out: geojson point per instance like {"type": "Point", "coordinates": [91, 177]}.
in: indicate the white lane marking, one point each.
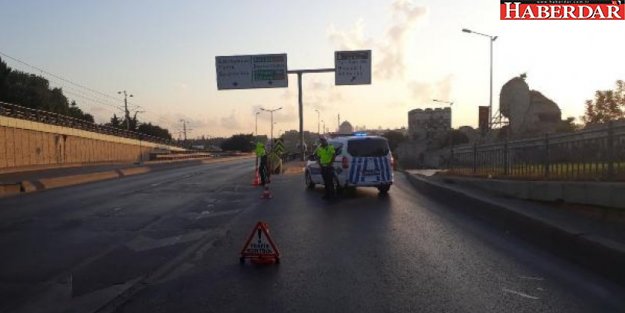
{"type": "Point", "coordinates": [117, 209]}
{"type": "Point", "coordinates": [143, 243]}
{"type": "Point", "coordinates": [540, 289]}
{"type": "Point", "coordinates": [518, 293]}
{"type": "Point", "coordinates": [202, 214]}
{"type": "Point", "coordinates": [531, 278]}
{"type": "Point", "coordinates": [210, 214]}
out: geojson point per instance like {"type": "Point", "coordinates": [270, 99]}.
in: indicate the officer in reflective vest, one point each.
{"type": "Point", "coordinates": [261, 154]}
{"type": "Point", "coordinates": [325, 158]}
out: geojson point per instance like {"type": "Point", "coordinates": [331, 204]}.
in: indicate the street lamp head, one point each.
{"type": "Point", "coordinates": [466, 30]}
{"type": "Point", "coordinates": [131, 96]}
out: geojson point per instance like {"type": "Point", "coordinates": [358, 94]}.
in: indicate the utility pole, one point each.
{"type": "Point", "coordinates": [184, 129]}
{"type": "Point", "coordinates": [126, 111]}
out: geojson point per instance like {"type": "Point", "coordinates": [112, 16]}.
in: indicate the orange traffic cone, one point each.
{"type": "Point", "coordinates": [266, 194]}
{"type": "Point", "coordinates": [256, 180]}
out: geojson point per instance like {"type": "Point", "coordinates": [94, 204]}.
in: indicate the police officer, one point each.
{"type": "Point", "coordinates": [261, 154]}
{"type": "Point", "coordinates": [325, 157]}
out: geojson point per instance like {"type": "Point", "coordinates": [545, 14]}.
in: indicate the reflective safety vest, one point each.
{"type": "Point", "coordinates": [260, 150]}
{"type": "Point", "coordinates": [325, 154]}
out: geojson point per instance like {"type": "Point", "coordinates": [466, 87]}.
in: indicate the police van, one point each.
{"type": "Point", "coordinates": [361, 161]}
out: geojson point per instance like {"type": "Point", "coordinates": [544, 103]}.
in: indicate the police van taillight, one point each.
{"type": "Point", "coordinates": [345, 162]}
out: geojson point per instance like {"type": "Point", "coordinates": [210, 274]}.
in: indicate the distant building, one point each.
{"type": "Point", "coordinates": [346, 128]}
{"type": "Point", "coordinates": [429, 123]}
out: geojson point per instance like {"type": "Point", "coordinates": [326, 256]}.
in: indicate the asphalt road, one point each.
{"type": "Point", "coordinates": [169, 242]}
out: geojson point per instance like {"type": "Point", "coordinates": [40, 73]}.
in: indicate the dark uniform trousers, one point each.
{"type": "Point", "coordinates": [328, 180]}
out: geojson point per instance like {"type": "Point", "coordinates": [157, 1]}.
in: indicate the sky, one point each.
{"type": "Point", "coordinates": [163, 52]}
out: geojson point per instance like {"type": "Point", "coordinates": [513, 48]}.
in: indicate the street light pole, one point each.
{"type": "Point", "coordinates": [126, 111]}
{"type": "Point", "coordinates": [256, 124]}
{"type": "Point", "coordinates": [318, 114]}
{"type": "Point", "coordinates": [324, 126]}
{"type": "Point", "coordinates": [490, 95]}
{"type": "Point", "coordinates": [271, 112]}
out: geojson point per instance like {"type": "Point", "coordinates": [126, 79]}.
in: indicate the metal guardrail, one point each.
{"type": "Point", "coordinates": [20, 112]}
{"type": "Point", "coordinates": [593, 154]}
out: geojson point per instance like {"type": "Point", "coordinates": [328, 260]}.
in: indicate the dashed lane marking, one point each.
{"type": "Point", "coordinates": [518, 293]}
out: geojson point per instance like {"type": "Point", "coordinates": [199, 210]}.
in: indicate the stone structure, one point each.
{"type": "Point", "coordinates": [346, 128]}
{"type": "Point", "coordinates": [528, 111]}
{"type": "Point", "coordinates": [429, 123]}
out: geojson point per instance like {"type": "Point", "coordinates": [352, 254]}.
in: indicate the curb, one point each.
{"type": "Point", "coordinates": [27, 186]}
{"type": "Point", "coordinates": [600, 255]}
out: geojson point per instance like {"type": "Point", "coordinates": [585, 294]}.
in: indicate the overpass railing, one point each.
{"type": "Point", "coordinates": [20, 112]}
{"type": "Point", "coordinates": [593, 154]}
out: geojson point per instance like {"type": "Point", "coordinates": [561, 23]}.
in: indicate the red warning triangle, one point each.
{"type": "Point", "coordinates": [259, 244]}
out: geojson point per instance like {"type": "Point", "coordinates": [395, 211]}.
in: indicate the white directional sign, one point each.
{"type": "Point", "coordinates": [251, 71]}
{"type": "Point", "coordinates": [352, 67]}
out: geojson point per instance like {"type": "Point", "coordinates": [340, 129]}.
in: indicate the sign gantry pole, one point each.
{"type": "Point", "coordinates": [300, 96]}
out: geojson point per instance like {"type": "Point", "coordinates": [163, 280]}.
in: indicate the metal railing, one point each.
{"type": "Point", "coordinates": [20, 112]}
{"type": "Point", "coordinates": [593, 154]}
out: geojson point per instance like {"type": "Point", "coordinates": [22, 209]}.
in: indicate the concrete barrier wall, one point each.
{"type": "Point", "coordinates": [26, 144]}
{"type": "Point", "coordinates": [604, 194]}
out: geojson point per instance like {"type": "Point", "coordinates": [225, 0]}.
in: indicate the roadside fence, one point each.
{"type": "Point", "coordinates": [593, 154]}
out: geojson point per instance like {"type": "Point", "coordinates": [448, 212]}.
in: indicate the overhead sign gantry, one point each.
{"type": "Point", "coordinates": [270, 71]}
{"type": "Point", "coordinates": [251, 71]}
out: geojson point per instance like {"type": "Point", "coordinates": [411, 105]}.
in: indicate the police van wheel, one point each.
{"type": "Point", "coordinates": [384, 189]}
{"type": "Point", "coordinates": [309, 183]}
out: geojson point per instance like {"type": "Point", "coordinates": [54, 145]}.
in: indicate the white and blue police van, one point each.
{"type": "Point", "coordinates": [361, 161]}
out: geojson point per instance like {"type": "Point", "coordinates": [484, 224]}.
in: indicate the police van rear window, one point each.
{"type": "Point", "coordinates": [368, 147]}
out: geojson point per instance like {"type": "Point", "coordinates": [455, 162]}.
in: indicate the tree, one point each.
{"type": "Point", "coordinates": [568, 126]}
{"type": "Point", "coordinates": [394, 138]}
{"type": "Point", "coordinates": [240, 142]}
{"type": "Point", "coordinates": [34, 92]}
{"type": "Point", "coordinates": [608, 105]}
{"type": "Point", "coordinates": [154, 130]}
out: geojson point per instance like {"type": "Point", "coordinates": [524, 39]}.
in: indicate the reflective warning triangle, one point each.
{"type": "Point", "coordinates": [259, 244]}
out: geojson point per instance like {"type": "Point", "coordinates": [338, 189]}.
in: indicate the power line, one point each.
{"type": "Point", "coordinates": [58, 77]}
{"type": "Point", "coordinates": [76, 89]}
{"type": "Point", "coordinates": [91, 99]}
{"type": "Point", "coordinates": [81, 91]}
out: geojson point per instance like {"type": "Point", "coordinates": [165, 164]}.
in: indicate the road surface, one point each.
{"type": "Point", "coordinates": [169, 241]}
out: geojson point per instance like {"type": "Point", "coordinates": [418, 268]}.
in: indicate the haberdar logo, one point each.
{"type": "Point", "coordinates": [562, 10]}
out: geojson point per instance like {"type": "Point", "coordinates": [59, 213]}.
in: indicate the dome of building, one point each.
{"type": "Point", "coordinates": [346, 128]}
